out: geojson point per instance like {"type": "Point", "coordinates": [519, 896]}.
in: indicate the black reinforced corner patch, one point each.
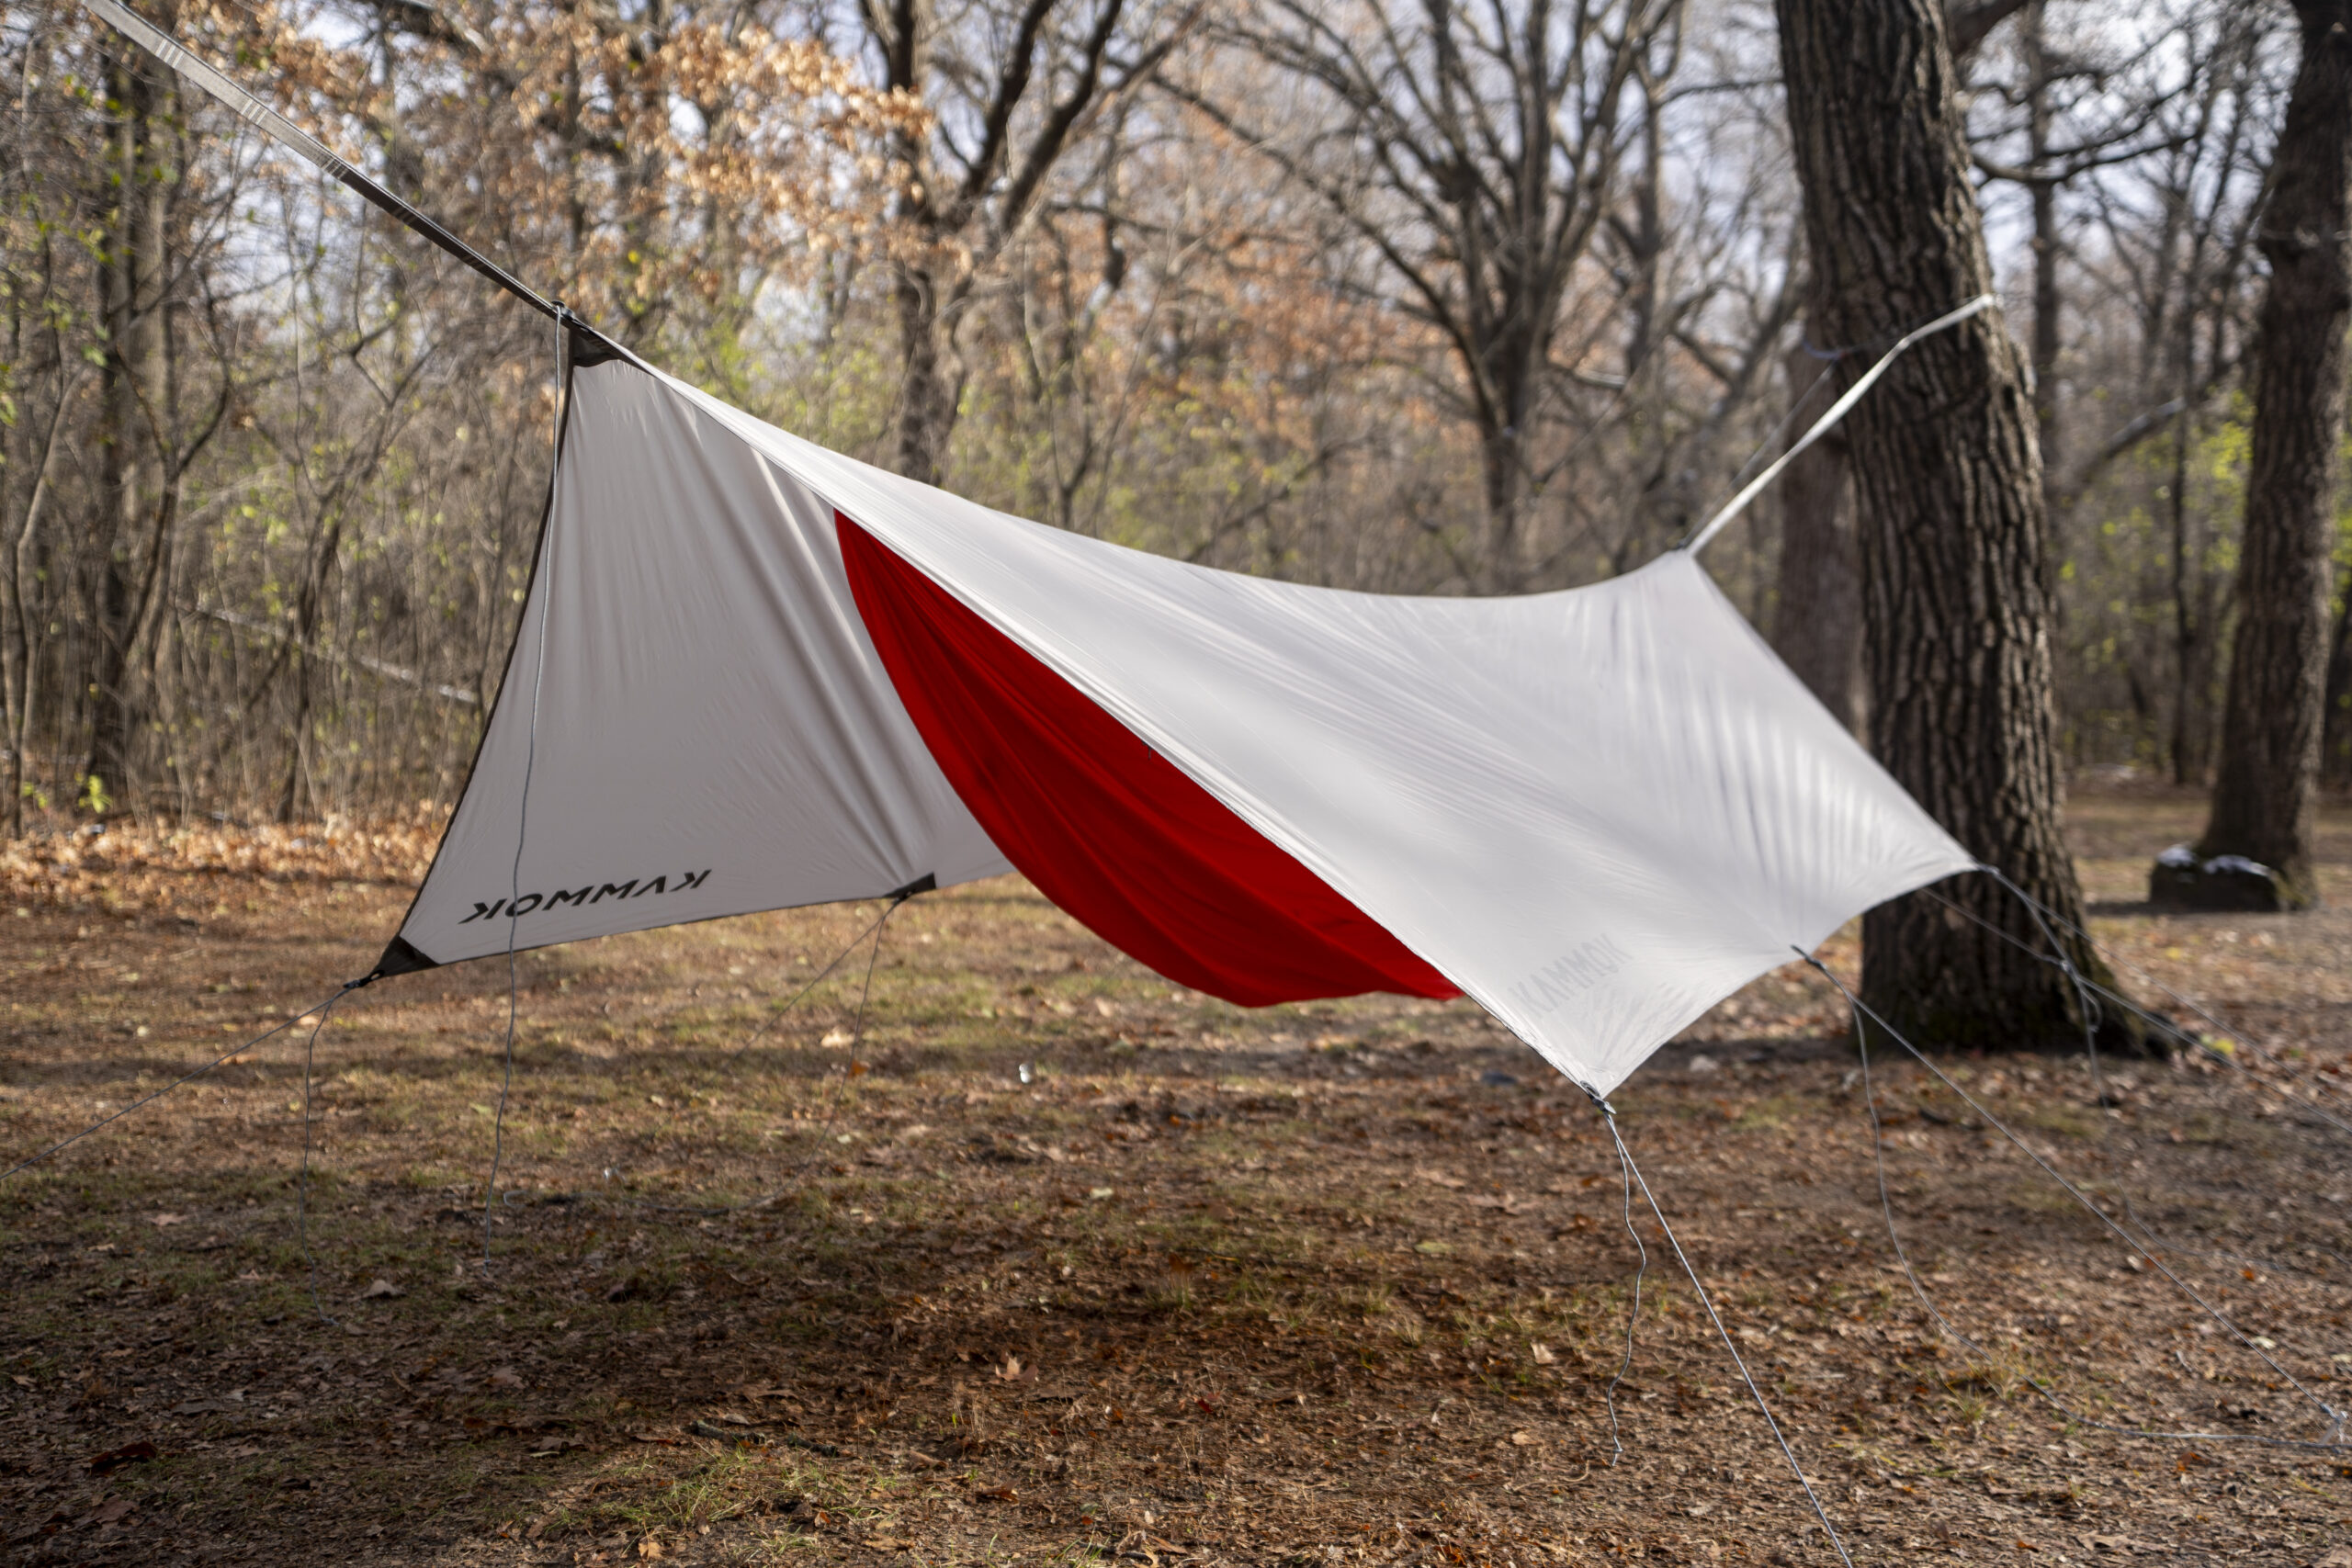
{"type": "Point", "coordinates": [926, 882]}
{"type": "Point", "coordinates": [588, 349]}
{"type": "Point", "coordinates": [400, 958]}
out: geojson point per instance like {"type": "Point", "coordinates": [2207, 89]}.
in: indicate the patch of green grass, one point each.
{"type": "Point", "coordinates": [1770, 1114]}
{"type": "Point", "coordinates": [2066, 1120]}
{"type": "Point", "coordinates": [1999, 1373]}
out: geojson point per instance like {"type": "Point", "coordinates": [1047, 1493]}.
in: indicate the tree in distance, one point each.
{"type": "Point", "coordinates": [2256, 852]}
{"type": "Point", "coordinates": [1954, 531]}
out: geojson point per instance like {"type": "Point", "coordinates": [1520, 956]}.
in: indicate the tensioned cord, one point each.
{"type": "Point", "coordinates": [2084, 987]}
{"type": "Point", "coordinates": [1837, 411]}
{"type": "Point", "coordinates": [1797, 405]}
{"type": "Point", "coordinates": [2091, 1016]}
{"type": "Point", "coordinates": [2157, 1021]}
{"type": "Point", "coordinates": [857, 942]}
{"type": "Point", "coordinates": [1863, 1011]}
{"type": "Point", "coordinates": [302, 1181]}
{"type": "Point", "coordinates": [1625, 1158]}
{"type": "Point", "coordinates": [1927, 1301]}
{"type": "Point", "coordinates": [1900, 338]}
{"type": "Point", "coordinates": [320, 1011]}
{"type": "Point", "coordinates": [310, 149]}
{"type": "Point", "coordinates": [712, 1211]}
{"type": "Point", "coordinates": [857, 1030]}
{"type": "Point", "coordinates": [1633, 1314]}
{"type": "Point", "coordinates": [1832, 356]}
{"type": "Point", "coordinates": [2154, 1020]}
{"type": "Point", "coordinates": [187, 1077]}
{"type": "Point", "coordinates": [2306, 1079]}
{"type": "Point", "coordinates": [530, 758]}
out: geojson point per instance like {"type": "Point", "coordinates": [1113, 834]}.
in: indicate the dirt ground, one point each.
{"type": "Point", "coordinates": [1054, 1263]}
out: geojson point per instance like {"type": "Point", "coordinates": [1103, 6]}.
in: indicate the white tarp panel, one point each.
{"type": "Point", "coordinates": [715, 732]}
{"type": "Point", "coordinates": [1598, 812]}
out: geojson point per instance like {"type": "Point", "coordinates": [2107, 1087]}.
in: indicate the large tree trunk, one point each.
{"type": "Point", "coordinates": [1956, 593]}
{"type": "Point", "coordinates": [2266, 793]}
{"type": "Point", "coordinates": [1817, 626]}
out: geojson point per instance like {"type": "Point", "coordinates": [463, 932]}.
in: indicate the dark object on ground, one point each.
{"type": "Point", "coordinates": [113, 1460]}
{"type": "Point", "coordinates": [2225, 884]}
{"type": "Point", "coordinates": [730, 1433]}
{"type": "Point", "coordinates": [2266, 793]}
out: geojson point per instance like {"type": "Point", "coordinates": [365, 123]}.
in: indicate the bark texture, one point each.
{"type": "Point", "coordinates": [2335, 743]}
{"type": "Point", "coordinates": [132, 515]}
{"type": "Point", "coordinates": [2266, 792]}
{"type": "Point", "coordinates": [1953, 524]}
{"type": "Point", "coordinates": [1817, 627]}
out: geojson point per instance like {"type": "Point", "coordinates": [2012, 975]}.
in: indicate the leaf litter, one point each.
{"type": "Point", "coordinates": [1337, 1282]}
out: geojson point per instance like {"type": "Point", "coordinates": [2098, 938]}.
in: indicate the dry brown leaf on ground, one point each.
{"type": "Point", "coordinates": [1260, 1245]}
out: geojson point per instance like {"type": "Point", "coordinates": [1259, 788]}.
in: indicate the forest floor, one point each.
{"type": "Point", "coordinates": [1051, 1263]}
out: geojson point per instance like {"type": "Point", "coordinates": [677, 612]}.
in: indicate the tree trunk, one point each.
{"type": "Point", "coordinates": [2042, 195]}
{"type": "Point", "coordinates": [2336, 743]}
{"type": "Point", "coordinates": [1503, 470]}
{"type": "Point", "coordinates": [2191, 663]}
{"type": "Point", "coordinates": [928, 393]}
{"type": "Point", "coordinates": [2266, 793]}
{"type": "Point", "coordinates": [289, 795]}
{"type": "Point", "coordinates": [1817, 627]}
{"type": "Point", "coordinates": [136, 394]}
{"type": "Point", "coordinates": [924, 417]}
{"type": "Point", "coordinates": [1954, 549]}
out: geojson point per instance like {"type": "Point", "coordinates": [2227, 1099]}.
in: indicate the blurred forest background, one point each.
{"type": "Point", "coordinates": [1384, 294]}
